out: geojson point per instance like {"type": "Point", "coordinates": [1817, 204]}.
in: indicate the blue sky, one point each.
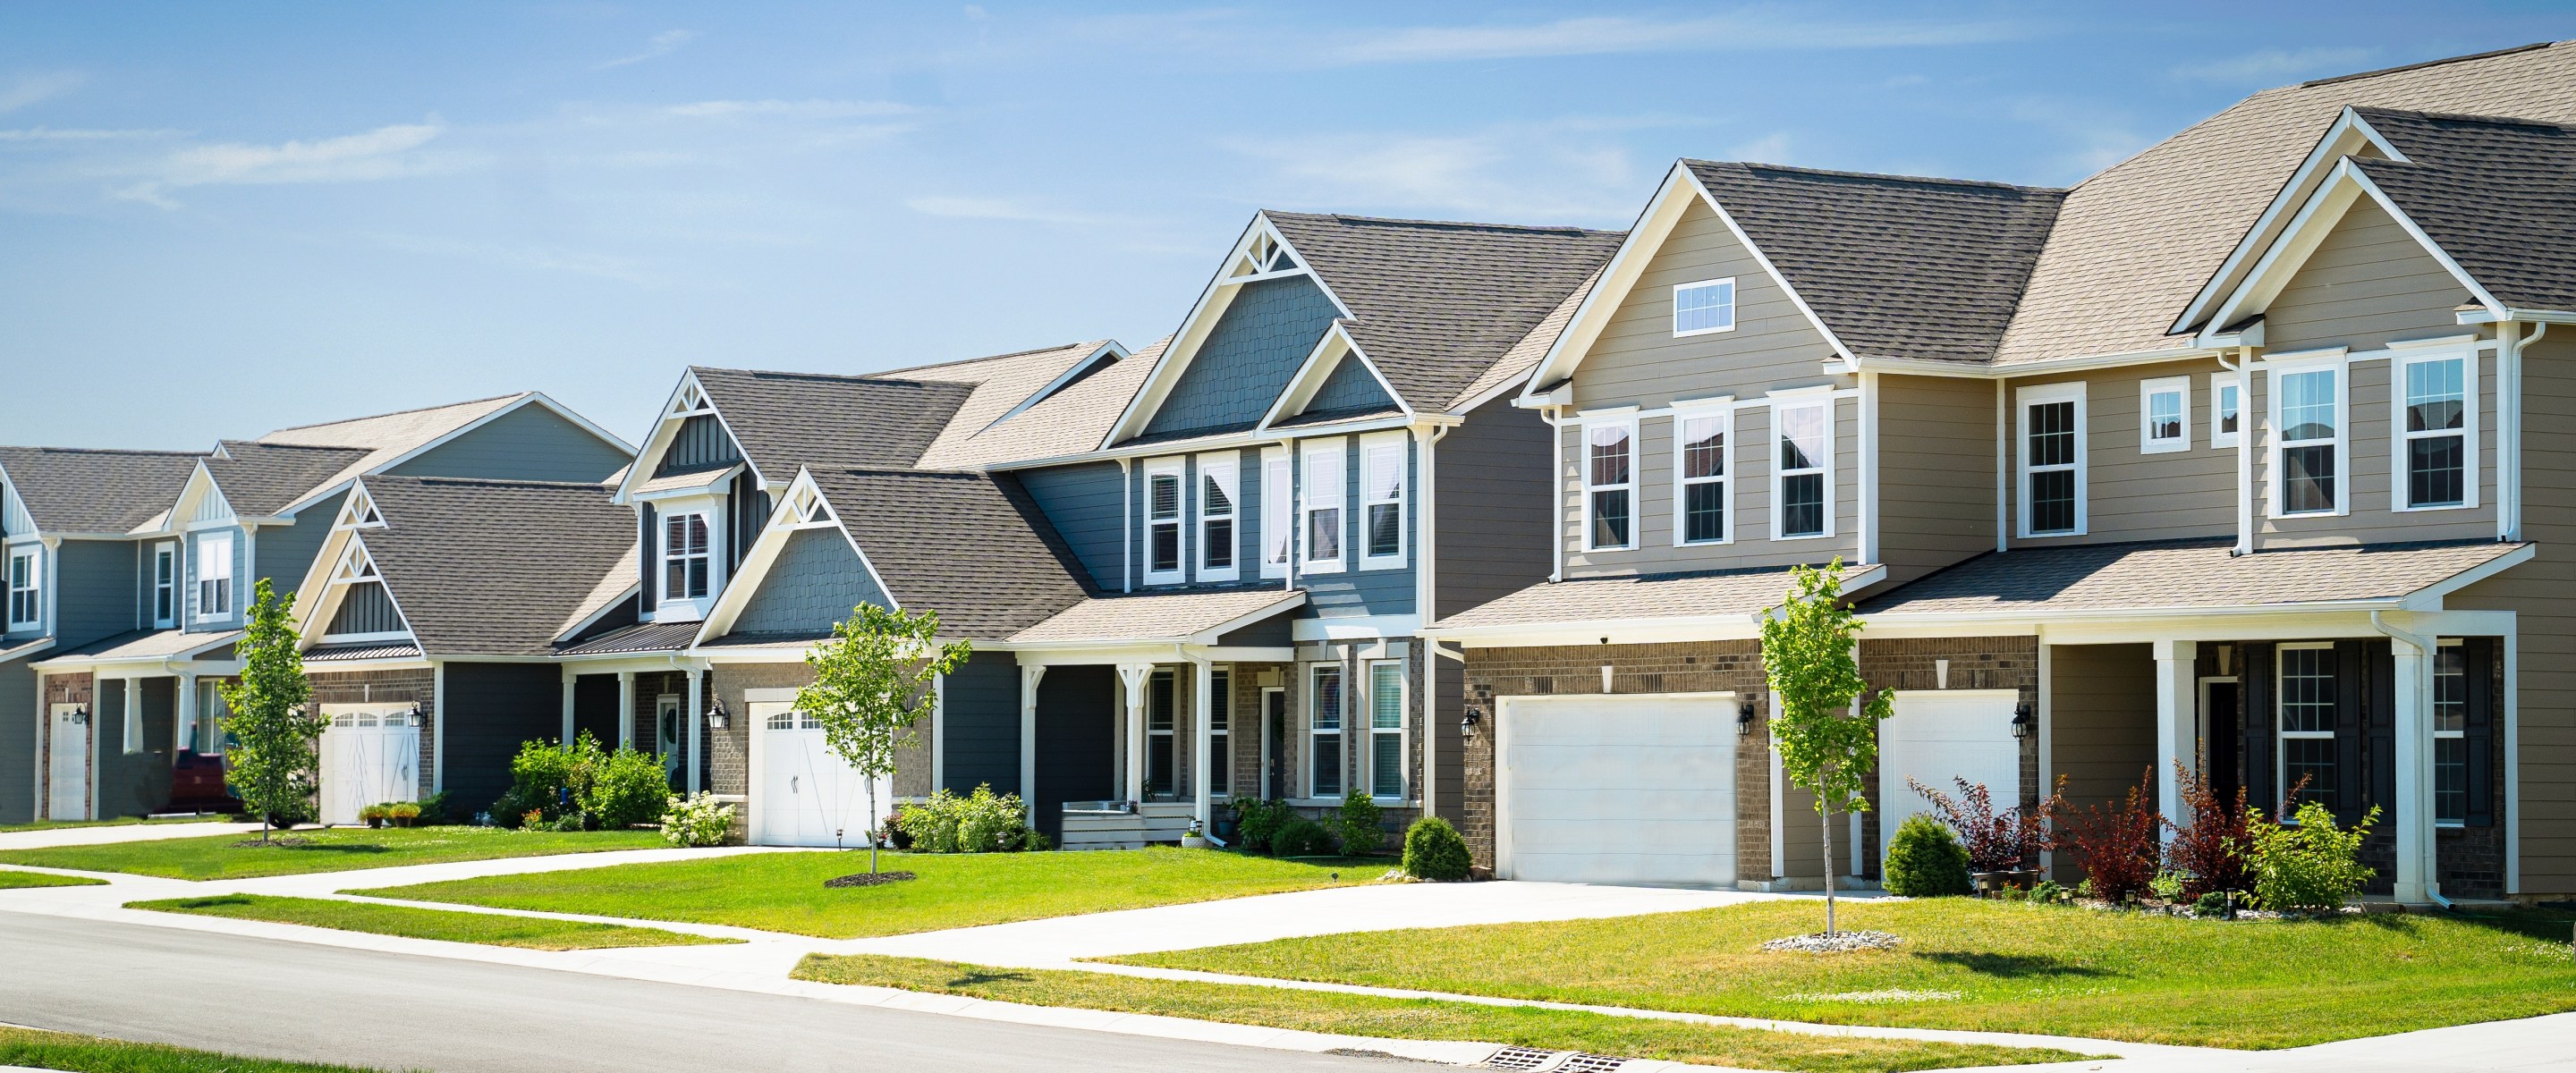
{"type": "Point", "coordinates": [219, 219]}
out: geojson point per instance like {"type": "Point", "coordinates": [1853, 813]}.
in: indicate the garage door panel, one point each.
{"type": "Point", "coordinates": [1627, 868]}
{"type": "Point", "coordinates": [1619, 790]}
{"type": "Point", "coordinates": [1938, 736]}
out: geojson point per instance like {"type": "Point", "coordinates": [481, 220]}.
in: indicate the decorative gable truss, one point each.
{"type": "Point", "coordinates": [688, 402]}
{"type": "Point", "coordinates": [201, 504]}
{"type": "Point", "coordinates": [1261, 254]}
{"type": "Point", "coordinates": [801, 509]}
{"type": "Point", "coordinates": [352, 603]}
{"type": "Point", "coordinates": [358, 512]}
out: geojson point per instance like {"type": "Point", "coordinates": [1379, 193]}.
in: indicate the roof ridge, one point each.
{"type": "Point", "coordinates": [399, 413]}
{"type": "Point", "coordinates": [110, 451]}
{"type": "Point", "coordinates": [1839, 174]}
{"type": "Point", "coordinates": [507, 482]}
{"type": "Point", "coordinates": [848, 378]}
{"type": "Point", "coordinates": [1455, 225]}
{"type": "Point", "coordinates": [2465, 117]}
{"type": "Point", "coordinates": [2419, 65]}
{"type": "Point", "coordinates": [1092, 343]}
{"type": "Point", "coordinates": [267, 446]}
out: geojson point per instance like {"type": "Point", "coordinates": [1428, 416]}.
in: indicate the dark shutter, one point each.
{"type": "Point", "coordinates": [644, 549]}
{"type": "Point", "coordinates": [2260, 717]}
{"type": "Point", "coordinates": [2383, 729]}
{"type": "Point", "coordinates": [2479, 735]}
{"type": "Point", "coordinates": [2352, 698]}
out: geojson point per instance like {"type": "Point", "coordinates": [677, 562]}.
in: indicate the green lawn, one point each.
{"type": "Point", "coordinates": [785, 892]}
{"type": "Point", "coordinates": [1988, 965]}
{"type": "Point", "coordinates": [37, 1049]}
{"type": "Point", "coordinates": [335, 850]}
{"type": "Point", "coordinates": [122, 821]}
{"type": "Point", "coordinates": [10, 878]}
{"type": "Point", "coordinates": [1391, 1018]}
{"type": "Point", "coordinates": [535, 933]}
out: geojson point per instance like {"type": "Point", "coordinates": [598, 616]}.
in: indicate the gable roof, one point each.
{"type": "Point", "coordinates": [78, 490]}
{"type": "Point", "coordinates": [260, 479]}
{"type": "Point", "coordinates": [386, 437]}
{"type": "Point", "coordinates": [972, 546]}
{"type": "Point", "coordinates": [469, 586]}
{"type": "Point", "coordinates": [1072, 420]}
{"type": "Point", "coordinates": [1005, 387]}
{"type": "Point", "coordinates": [2497, 195]}
{"type": "Point", "coordinates": [789, 421]}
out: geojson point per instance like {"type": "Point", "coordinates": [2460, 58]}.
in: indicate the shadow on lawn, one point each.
{"type": "Point", "coordinates": [2012, 966]}
{"type": "Point", "coordinates": [995, 976]}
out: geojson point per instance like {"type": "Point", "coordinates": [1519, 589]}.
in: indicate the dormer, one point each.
{"type": "Point", "coordinates": [695, 494]}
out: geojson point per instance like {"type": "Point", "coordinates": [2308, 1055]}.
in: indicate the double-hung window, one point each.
{"type": "Point", "coordinates": [2164, 415]}
{"type": "Point", "coordinates": [1324, 730]}
{"type": "Point", "coordinates": [2307, 459]}
{"type": "Point", "coordinates": [2437, 433]}
{"type": "Point", "coordinates": [686, 557]}
{"type": "Point", "coordinates": [1382, 465]}
{"type": "Point", "coordinates": [2307, 721]}
{"type": "Point", "coordinates": [1802, 468]}
{"type": "Point", "coordinates": [1278, 511]}
{"type": "Point", "coordinates": [1386, 730]}
{"type": "Point", "coordinates": [1159, 723]}
{"type": "Point", "coordinates": [165, 584]}
{"type": "Point", "coordinates": [1704, 307]}
{"type": "Point", "coordinates": [26, 586]}
{"type": "Point", "coordinates": [1327, 491]}
{"type": "Point", "coordinates": [2052, 452]}
{"type": "Point", "coordinates": [2450, 733]}
{"type": "Point", "coordinates": [207, 730]}
{"type": "Point", "coordinates": [1699, 467]}
{"type": "Point", "coordinates": [2226, 409]}
{"type": "Point", "coordinates": [1609, 484]}
{"type": "Point", "coordinates": [1220, 736]}
{"type": "Point", "coordinates": [1219, 474]}
{"type": "Point", "coordinates": [1163, 481]}
{"type": "Point", "coordinates": [214, 576]}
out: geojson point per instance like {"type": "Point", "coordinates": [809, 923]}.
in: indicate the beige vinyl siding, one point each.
{"type": "Point", "coordinates": [1936, 486]}
{"type": "Point", "coordinates": [2367, 283]}
{"type": "Point", "coordinates": [2102, 724]}
{"type": "Point", "coordinates": [2129, 494]}
{"type": "Point", "coordinates": [1637, 359]}
{"type": "Point", "coordinates": [1748, 462]}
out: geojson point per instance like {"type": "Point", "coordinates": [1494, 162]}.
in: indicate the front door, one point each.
{"type": "Point", "coordinates": [666, 736]}
{"type": "Point", "coordinates": [67, 772]}
{"type": "Point", "coordinates": [1274, 743]}
{"type": "Point", "coordinates": [2223, 739]}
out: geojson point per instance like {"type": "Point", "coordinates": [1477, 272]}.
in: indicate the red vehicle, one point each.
{"type": "Point", "coordinates": [197, 784]}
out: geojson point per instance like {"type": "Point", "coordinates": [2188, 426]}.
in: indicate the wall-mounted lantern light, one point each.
{"type": "Point", "coordinates": [2024, 720]}
{"type": "Point", "coordinates": [1744, 717]}
{"type": "Point", "coordinates": [717, 719]}
{"type": "Point", "coordinates": [80, 716]}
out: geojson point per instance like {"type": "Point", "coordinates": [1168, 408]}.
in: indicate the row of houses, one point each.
{"type": "Point", "coordinates": [2243, 456]}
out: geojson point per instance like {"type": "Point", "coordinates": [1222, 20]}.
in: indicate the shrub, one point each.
{"type": "Point", "coordinates": [433, 810]}
{"type": "Point", "coordinates": [1996, 841]}
{"type": "Point", "coordinates": [1256, 821]}
{"type": "Point", "coordinates": [2047, 892]}
{"type": "Point", "coordinates": [2308, 865]}
{"type": "Point", "coordinates": [2209, 851]}
{"type": "Point", "coordinates": [1434, 850]}
{"type": "Point", "coordinates": [372, 815]}
{"type": "Point", "coordinates": [1358, 824]}
{"type": "Point", "coordinates": [1925, 860]}
{"type": "Point", "coordinates": [2214, 905]}
{"type": "Point", "coordinates": [625, 789]}
{"type": "Point", "coordinates": [2167, 886]}
{"type": "Point", "coordinates": [403, 813]}
{"type": "Point", "coordinates": [698, 820]}
{"type": "Point", "coordinates": [2117, 845]}
{"type": "Point", "coordinates": [540, 779]}
{"type": "Point", "coordinates": [981, 822]}
{"type": "Point", "coordinates": [1301, 837]}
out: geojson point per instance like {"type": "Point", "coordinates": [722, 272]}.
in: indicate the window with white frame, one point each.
{"type": "Point", "coordinates": [1219, 474]}
{"type": "Point", "coordinates": [1163, 479]}
{"type": "Point", "coordinates": [2164, 415]}
{"type": "Point", "coordinates": [1382, 465]}
{"type": "Point", "coordinates": [165, 584]}
{"type": "Point", "coordinates": [687, 557]}
{"type": "Point", "coordinates": [132, 742]}
{"type": "Point", "coordinates": [2308, 451]}
{"type": "Point", "coordinates": [26, 585]}
{"type": "Point", "coordinates": [2450, 732]}
{"type": "Point", "coordinates": [1220, 736]}
{"type": "Point", "coordinates": [1386, 730]}
{"type": "Point", "coordinates": [2307, 720]}
{"type": "Point", "coordinates": [2052, 453]}
{"type": "Point", "coordinates": [214, 576]}
{"type": "Point", "coordinates": [1327, 493]}
{"type": "Point", "coordinates": [1324, 730]}
{"type": "Point", "coordinates": [1278, 511]}
{"type": "Point", "coordinates": [1699, 468]}
{"type": "Point", "coordinates": [1802, 469]}
{"type": "Point", "coordinates": [1704, 307]}
{"type": "Point", "coordinates": [2226, 409]}
{"type": "Point", "coordinates": [1609, 484]}
{"type": "Point", "coordinates": [2436, 433]}
{"type": "Point", "coordinates": [207, 731]}
{"type": "Point", "coordinates": [1161, 719]}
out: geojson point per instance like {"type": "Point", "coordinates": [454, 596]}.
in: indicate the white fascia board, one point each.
{"type": "Point", "coordinates": [1645, 238]}
{"type": "Point", "coordinates": [1851, 362]}
{"type": "Point", "coordinates": [2449, 263]}
{"type": "Point", "coordinates": [2342, 188]}
{"type": "Point", "coordinates": [1318, 367]}
{"type": "Point", "coordinates": [317, 579]}
{"type": "Point", "coordinates": [2526, 316]}
{"type": "Point", "coordinates": [2349, 134]}
{"type": "Point", "coordinates": [1293, 599]}
{"type": "Point", "coordinates": [1509, 385]}
{"type": "Point", "coordinates": [765, 549]}
{"type": "Point", "coordinates": [2430, 597]}
{"type": "Point", "coordinates": [1204, 313]}
{"type": "Point", "coordinates": [632, 591]}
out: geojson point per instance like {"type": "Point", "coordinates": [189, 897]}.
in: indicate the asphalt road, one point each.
{"type": "Point", "coordinates": [398, 1012]}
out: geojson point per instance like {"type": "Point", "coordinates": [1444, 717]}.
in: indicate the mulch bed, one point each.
{"type": "Point", "coordinates": [868, 879]}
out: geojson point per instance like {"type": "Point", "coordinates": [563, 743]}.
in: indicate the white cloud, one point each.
{"type": "Point", "coordinates": [1752, 29]}
{"type": "Point", "coordinates": [31, 89]}
{"type": "Point", "coordinates": [382, 153]}
{"type": "Point", "coordinates": [2273, 65]}
{"type": "Point", "coordinates": [992, 208]}
{"type": "Point", "coordinates": [812, 109]}
{"type": "Point", "coordinates": [77, 134]}
{"type": "Point", "coordinates": [662, 44]}
{"type": "Point", "coordinates": [1771, 148]}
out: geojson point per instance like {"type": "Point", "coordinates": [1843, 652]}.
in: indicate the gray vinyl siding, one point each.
{"type": "Point", "coordinates": [1082, 501]}
{"type": "Point", "coordinates": [92, 579]}
{"type": "Point", "coordinates": [489, 709]}
{"type": "Point", "coordinates": [286, 553]}
{"type": "Point", "coordinates": [17, 741]}
{"type": "Point", "coordinates": [814, 584]}
{"type": "Point", "coordinates": [2102, 724]}
{"type": "Point", "coordinates": [2367, 283]}
{"type": "Point", "coordinates": [1349, 387]}
{"type": "Point", "coordinates": [365, 608]}
{"type": "Point", "coordinates": [1637, 359]}
{"type": "Point", "coordinates": [1247, 518]}
{"type": "Point", "coordinates": [1936, 485]}
{"type": "Point", "coordinates": [531, 443]}
{"type": "Point", "coordinates": [1749, 453]}
{"type": "Point", "coordinates": [1277, 631]}
{"type": "Point", "coordinates": [241, 587]}
{"type": "Point", "coordinates": [1265, 333]}
{"type": "Point", "coordinates": [1491, 509]}
{"type": "Point", "coordinates": [2131, 495]}
{"type": "Point", "coordinates": [980, 720]}
{"type": "Point", "coordinates": [133, 784]}
{"type": "Point", "coordinates": [1356, 592]}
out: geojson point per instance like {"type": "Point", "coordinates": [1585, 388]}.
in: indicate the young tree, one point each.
{"type": "Point", "coordinates": [272, 759]}
{"type": "Point", "coordinates": [1809, 654]}
{"type": "Point", "coordinates": [873, 680]}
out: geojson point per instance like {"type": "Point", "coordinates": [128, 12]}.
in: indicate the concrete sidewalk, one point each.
{"type": "Point", "coordinates": [112, 834]}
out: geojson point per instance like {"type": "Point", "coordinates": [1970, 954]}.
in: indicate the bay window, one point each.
{"type": "Point", "coordinates": [1699, 467]}
{"type": "Point", "coordinates": [2436, 453]}
{"type": "Point", "coordinates": [1609, 484]}
{"type": "Point", "coordinates": [2307, 459]}
{"type": "Point", "coordinates": [1327, 491]}
{"type": "Point", "coordinates": [1218, 476]}
{"type": "Point", "coordinates": [2052, 452]}
{"type": "Point", "coordinates": [1382, 465]}
{"type": "Point", "coordinates": [1802, 468]}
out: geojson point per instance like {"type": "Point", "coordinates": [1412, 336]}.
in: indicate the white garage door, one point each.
{"type": "Point", "coordinates": [67, 779]}
{"type": "Point", "coordinates": [1617, 789]}
{"type": "Point", "coordinates": [1940, 735]}
{"type": "Point", "coordinates": [370, 756]}
{"type": "Point", "coordinates": [803, 795]}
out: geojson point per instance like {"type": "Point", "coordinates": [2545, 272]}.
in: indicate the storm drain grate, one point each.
{"type": "Point", "coordinates": [1591, 1063]}
{"type": "Point", "coordinates": [1519, 1058]}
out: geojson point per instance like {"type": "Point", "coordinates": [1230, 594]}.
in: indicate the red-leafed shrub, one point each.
{"type": "Point", "coordinates": [2211, 850]}
{"type": "Point", "coordinates": [1996, 841]}
{"type": "Point", "coordinates": [2116, 845]}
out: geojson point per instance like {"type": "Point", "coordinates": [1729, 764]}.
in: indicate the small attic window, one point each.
{"type": "Point", "coordinates": [1704, 307]}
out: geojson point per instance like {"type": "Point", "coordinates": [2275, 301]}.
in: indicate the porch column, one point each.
{"type": "Point", "coordinates": [1202, 682]}
{"type": "Point", "coordinates": [694, 725]}
{"type": "Point", "coordinates": [2412, 813]}
{"type": "Point", "coordinates": [570, 677]}
{"type": "Point", "coordinates": [1029, 678]}
{"type": "Point", "coordinates": [183, 716]}
{"type": "Point", "coordinates": [625, 709]}
{"type": "Point", "coordinates": [1134, 676]}
{"type": "Point", "coordinates": [2176, 712]}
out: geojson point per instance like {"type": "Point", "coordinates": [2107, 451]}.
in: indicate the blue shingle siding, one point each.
{"type": "Point", "coordinates": [814, 584]}
{"type": "Point", "coordinates": [1349, 388]}
{"type": "Point", "coordinates": [365, 609]}
{"type": "Point", "coordinates": [1083, 504]}
{"type": "Point", "coordinates": [17, 741]}
{"type": "Point", "coordinates": [980, 717]}
{"type": "Point", "coordinates": [531, 443]}
{"type": "Point", "coordinates": [92, 579]}
{"type": "Point", "coordinates": [241, 587]}
{"type": "Point", "coordinates": [286, 553]}
{"type": "Point", "coordinates": [1256, 346]}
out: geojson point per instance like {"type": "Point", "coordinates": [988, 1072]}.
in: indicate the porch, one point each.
{"type": "Point", "coordinates": [1123, 824]}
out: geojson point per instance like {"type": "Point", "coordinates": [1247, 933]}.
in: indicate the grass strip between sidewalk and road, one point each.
{"type": "Point", "coordinates": [320, 850]}
{"type": "Point", "coordinates": [11, 879]}
{"type": "Point", "coordinates": [39, 1049]}
{"type": "Point", "coordinates": [1418, 1019]}
{"type": "Point", "coordinates": [491, 929]}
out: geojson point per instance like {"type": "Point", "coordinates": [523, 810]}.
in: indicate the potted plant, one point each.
{"type": "Point", "coordinates": [372, 815]}
{"type": "Point", "coordinates": [402, 813]}
{"type": "Point", "coordinates": [2001, 844]}
{"type": "Point", "coordinates": [1195, 837]}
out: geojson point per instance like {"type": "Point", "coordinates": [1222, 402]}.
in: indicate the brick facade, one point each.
{"type": "Point", "coordinates": [1975, 663]}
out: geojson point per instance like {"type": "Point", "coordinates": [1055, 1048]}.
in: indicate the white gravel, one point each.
{"type": "Point", "coordinates": [1837, 943]}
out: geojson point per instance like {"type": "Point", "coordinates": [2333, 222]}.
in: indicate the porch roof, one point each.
{"type": "Point", "coordinates": [145, 644]}
{"type": "Point", "coordinates": [1175, 617]}
{"type": "Point", "coordinates": [362, 650]}
{"type": "Point", "coordinates": [2172, 575]}
{"type": "Point", "coordinates": [639, 637]}
{"type": "Point", "coordinates": [1639, 598]}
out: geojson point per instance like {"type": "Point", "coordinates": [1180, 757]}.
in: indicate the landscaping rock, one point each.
{"type": "Point", "coordinates": [1841, 942]}
{"type": "Point", "coordinates": [867, 879]}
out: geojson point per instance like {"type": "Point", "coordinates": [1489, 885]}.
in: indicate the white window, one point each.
{"type": "Point", "coordinates": [214, 576]}
{"type": "Point", "coordinates": [1161, 720]}
{"type": "Point", "coordinates": [1220, 741]}
{"type": "Point", "coordinates": [1163, 481]}
{"type": "Point", "coordinates": [1327, 496]}
{"type": "Point", "coordinates": [1802, 469]}
{"type": "Point", "coordinates": [687, 557]}
{"type": "Point", "coordinates": [2226, 409]}
{"type": "Point", "coordinates": [1700, 496]}
{"type": "Point", "coordinates": [1382, 486]}
{"type": "Point", "coordinates": [2164, 415]}
{"type": "Point", "coordinates": [1386, 730]}
{"type": "Point", "coordinates": [1704, 307]}
{"type": "Point", "coordinates": [165, 584]}
{"type": "Point", "coordinates": [1278, 512]}
{"type": "Point", "coordinates": [2307, 722]}
{"type": "Point", "coordinates": [1219, 540]}
{"type": "Point", "coordinates": [26, 585]}
{"type": "Point", "coordinates": [2437, 433]}
{"type": "Point", "coordinates": [133, 734]}
{"type": "Point", "coordinates": [2308, 443]}
{"type": "Point", "coordinates": [2450, 733]}
{"type": "Point", "coordinates": [2052, 453]}
{"type": "Point", "coordinates": [1324, 730]}
{"type": "Point", "coordinates": [1609, 484]}
{"type": "Point", "coordinates": [209, 724]}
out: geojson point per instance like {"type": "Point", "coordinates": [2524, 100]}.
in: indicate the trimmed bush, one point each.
{"type": "Point", "coordinates": [981, 822]}
{"type": "Point", "coordinates": [2308, 867]}
{"type": "Point", "coordinates": [699, 820]}
{"type": "Point", "coordinates": [1925, 860]}
{"type": "Point", "coordinates": [1256, 821]}
{"type": "Point", "coordinates": [1358, 824]}
{"type": "Point", "coordinates": [1435, 850]}
{"type": "Point", "coordinates": [1301, 837]}
{"type": "Point", "coordinates": [629, 788]}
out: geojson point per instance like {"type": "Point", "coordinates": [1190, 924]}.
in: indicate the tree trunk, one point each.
{"type": "Point", "coordinates": [872, 827]}
{"type": "Point", "coordinates": [1828, 817]}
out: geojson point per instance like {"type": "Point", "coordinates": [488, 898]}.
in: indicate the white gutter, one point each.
{"type": "Point", "coordinates": [2243, 369]}
{"type": "Point", "coordinates": [1556, 490]}
{"type": "Point", "coordinates": [2510, 344]}
{"type": "Point", "coordinates": [1229, 440]}
{"type": "Point", "coordinates": [1126, 530]}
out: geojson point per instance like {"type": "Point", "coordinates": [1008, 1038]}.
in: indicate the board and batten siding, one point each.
{"type": "Point", "coordinates": [812, 585]}
{"type": "Point", "coordinates": [2130, 494]}
{"type": "Point", "coordinates": [1082, 502]}
{"type": "Point", "coordinates": [1259, 341]}
{"type": "Point", "coordinates": [1748, 463]}
{"type": "Point", "coordinates": [1936, 486]}
{"type": "Point", "coordinates": [1491, 511]}
{"type": "Point", "coordinates": [979, 723]}
{"type": "Point", "coordinates": [1637, 360]}
{"type": "Point", "coordinates": [530, 443]}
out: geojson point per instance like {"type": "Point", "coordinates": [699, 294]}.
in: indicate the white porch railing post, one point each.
{"type": "Point", "coordinates": [1029, 678]}
{"type": "Point", "coordinates": [570, 680]}
{"type": "Point", "coordinates": [2412, 813]}
{"type": "Point", "coordinates": [625, 709]}
{"type": "Point", "coordinates": [1134, 676]}
{"type": "Point", "coordinates": [694, 725]}
{"type": "Point", "coordinates": [1202, 683]}
{"type": "Point", "coordinates": [2177, 715]}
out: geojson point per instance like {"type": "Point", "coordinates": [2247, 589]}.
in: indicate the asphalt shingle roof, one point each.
{"type": "Point", "coordinates": [386, 437]}
{"type": "Point", "coordinates": [489, 567]}
{"type": "Point", "coordinates": [972, 546]}
{"type": "Point", "coordinates": [1627, 598]}
{"type": "Point", "coordinates": [84, 491]}
{"type": "Point", "coordinates": [1157, 616]}
{"type": "Point", "coordinates": [146, 644]}
{"type": "Point", "coordinates": [2498, 195]}
{"type": "Point", "coordinates": [2180, 574]}
{"type": "Point", "coordinates": [261, 479]}
{"type": "Point", "coordinates": [789, 421]}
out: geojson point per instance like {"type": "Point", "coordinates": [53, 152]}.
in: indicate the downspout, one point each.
{"type": "Point", "coordinates": [1296, 517]}
{"type": "Point", "coordinates": [2509, 425]}
{"type": "Point", "coordinates": [1556, 491]}
{"type": "Point", "coordinates": [2003, 469]}
{"type": "Point", "coordinates": [2244, 449]}
{"type": "Point", "coordinates": [1126, 531]}
{"type": "Point", "coordinates": [1428, 514]}
{"type": "Point", "coordinates": [2424, 714]}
